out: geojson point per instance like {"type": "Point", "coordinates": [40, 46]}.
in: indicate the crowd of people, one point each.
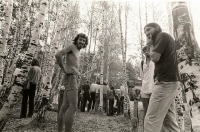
{"type": "Point", "coordinates": [89, 98]}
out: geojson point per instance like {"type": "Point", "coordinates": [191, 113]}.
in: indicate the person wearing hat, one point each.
{"type": "Point", "coordinates": [160, 114]}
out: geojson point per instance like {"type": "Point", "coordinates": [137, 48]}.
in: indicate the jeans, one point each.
{"type": "Point", "coordinates": [105, 102]}
{"type": "Point", "coordinates": [93, 99]}
{"type": "Point", "coordinates": [28, 94]}
{"type": "Point", "coordinates": [161, 111]}
{"type": "Point", "coordinates": [111, 109]}
{"type": "Point", "coordinates": [145, 102]}
{"type": "Point", "coordinates": [97, 101]}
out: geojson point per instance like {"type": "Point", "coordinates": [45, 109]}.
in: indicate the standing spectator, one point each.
{"type": "Point", "coordinates": [71, 73]}
{"type": "Point", "coordinates": [105, 92]}
{"type": "Point", "coordinates": [160, 114]}
{"type": "Point", "coordinates": [121, 101]}
{"type": "Point", "coordinates": [86, 96]}
{"type": "Point", "coordinates": [97, 96]}
{"type": "Point", "coordinates": [34, 75]}
{"type": "Point", "coordinates": [111, 97]}
{"type": "Point", "coordinates": [79, 97]}
{"type": "Point", "coordinates": [93, 94]}
{"type": "Point", "coordinates": [146, 74]}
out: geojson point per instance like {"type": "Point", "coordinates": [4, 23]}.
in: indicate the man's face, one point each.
{"type": "Point", "coordinates": [81, 42]}
{"type": "Point", "coordinates": [150, 31]}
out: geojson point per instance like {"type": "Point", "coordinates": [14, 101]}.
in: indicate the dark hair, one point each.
{"type": "Point", "coordinates": [80, 35]}
{"type": "Point", "coordinates": [35, 62]}
{"type": "Point", "coordinates": [98, 82]}
{"type": "Point", "coordinates": [154, 25]}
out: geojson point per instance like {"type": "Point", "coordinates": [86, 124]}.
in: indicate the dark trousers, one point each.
{"type": "Point", "coordinates": [28, 94]}
{"type": "Point", "coordinates": [93, 94]}
{"type": "Point", "coordinates": [145, 102]}
{"type": "Point", "coordinates": [85, 99]}
{"type": "Point", "coordinates": [105, 102]}
{"type": "Point", "coordinates": [111, 109]}
{"type": "Point", "coordinates": [121, 105]}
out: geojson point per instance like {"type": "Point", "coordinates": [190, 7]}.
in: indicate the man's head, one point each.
{"type": "Point", "coordinates": [81, 41]}
{"type": "Point", "coordinates": [145, 51]}
{"type": "Point", "coordinates": [152, 29]}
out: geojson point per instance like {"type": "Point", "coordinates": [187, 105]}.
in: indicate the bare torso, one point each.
{"type": "Point", "coordinates": [72, 59]}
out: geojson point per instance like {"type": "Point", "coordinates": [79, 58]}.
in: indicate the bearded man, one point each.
{"type": "Point", "coordinates": [161, 115]}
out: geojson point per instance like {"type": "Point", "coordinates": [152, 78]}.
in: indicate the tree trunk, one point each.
{"type": "Point", "coordinates": [20, 81]}
{"type": "Point", "coordinates": [47, 87]}
{"type": "Point", "coordinates": [188, 58]}
{"type": "Point", "coordinates": [4, 39]}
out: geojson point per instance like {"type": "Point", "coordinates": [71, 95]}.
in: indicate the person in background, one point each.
{"type": "Point", "coordinates": [97, 96]}
{"type": "Point", "coordinates": [86, 96]}
{"type": "Point", "coordinates": [111, 98]}
{"type": "Point", "coordinates": [28, 93]}
{"type": "Point", "coordinates": [121, 100]}
{"type": "Point", "coordinates": [161, 115]}
{"type": "Point", "coordinates": [79, 97]}
{"type": "Point", "coordinates": [105, 92]}
{"type": "Point", "coordinates": [146, 74]}
{"type": "Point", "coordinates": [93, 94]}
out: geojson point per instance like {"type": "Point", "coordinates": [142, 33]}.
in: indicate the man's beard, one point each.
{"type": "Point", "coordinates": [154, 35]}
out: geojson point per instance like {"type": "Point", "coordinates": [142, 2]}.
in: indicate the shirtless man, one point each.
{"type": "Point", "coordinates": [69, 105]}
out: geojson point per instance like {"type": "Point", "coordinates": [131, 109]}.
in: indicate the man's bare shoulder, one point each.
{"type": "Point", "coordinates": [67, 49]}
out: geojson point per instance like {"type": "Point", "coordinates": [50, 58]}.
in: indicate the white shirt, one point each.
{"type": "Point", "coordinates": [93, 87]}
{"type": "Point", "coordinates": [122, 89]}
{"type": "Point", "coordinates": [147, 77]}
{"type": "Point", "coordinates": [98, 87]}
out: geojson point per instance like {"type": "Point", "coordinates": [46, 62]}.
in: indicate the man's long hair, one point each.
{"type": "Point", "coordinates": [35, 62]}
{"type": "Point", "coordinates": [154, 25]}
{"type": "Point", "coordinates": [83, 36]}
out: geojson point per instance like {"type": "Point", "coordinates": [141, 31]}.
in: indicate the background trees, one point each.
{"type": "Point", "coordinates": [99, 20]}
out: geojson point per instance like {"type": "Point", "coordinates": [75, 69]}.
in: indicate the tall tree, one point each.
{"type": "Point", "coordinates": [4, 39]}
{"type": "Point", "coordinates": [188, 53]}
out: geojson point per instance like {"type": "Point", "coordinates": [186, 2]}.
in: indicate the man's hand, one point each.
{"type": "Point", "coordinates": [75, 71]}
{"type": "Point", "coordinates": [72, 71]}
{"type": "Point", "coordinates": [149, 40]}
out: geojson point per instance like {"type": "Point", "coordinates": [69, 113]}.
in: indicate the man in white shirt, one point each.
{"type": "Point", "coordinates": [146, 74]}
{"type": "Point", "coordinates": [93, 88]}
{"type": "Point", "coordinates": [122, 94]}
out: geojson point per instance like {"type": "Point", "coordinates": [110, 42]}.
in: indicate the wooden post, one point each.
{"type": "Point", "coordinates": [135, 120]}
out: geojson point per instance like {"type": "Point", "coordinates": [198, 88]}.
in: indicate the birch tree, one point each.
{"type": "Point", "coordinates": [4, 39]}
{"type": "Point", "coordinates": [188, 53]}
{"type": "Point", "coordinates": [20, 81]}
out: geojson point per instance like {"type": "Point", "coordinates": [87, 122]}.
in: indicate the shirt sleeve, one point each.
{"type": "Point", "coordinates": [30, 73]}
{"type": "Point", "coordinates": [160, 43]}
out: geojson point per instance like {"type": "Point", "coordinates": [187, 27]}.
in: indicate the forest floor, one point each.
{"type": "Point", "coordinates": [84, 122]}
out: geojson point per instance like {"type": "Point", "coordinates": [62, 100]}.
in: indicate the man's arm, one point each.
{"type": "Point", "coordinates": [160, 45]}
{"type": "Point", "coordinates": [155, 57]}
{"type": "Point", "coordinates": [59, 55]}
